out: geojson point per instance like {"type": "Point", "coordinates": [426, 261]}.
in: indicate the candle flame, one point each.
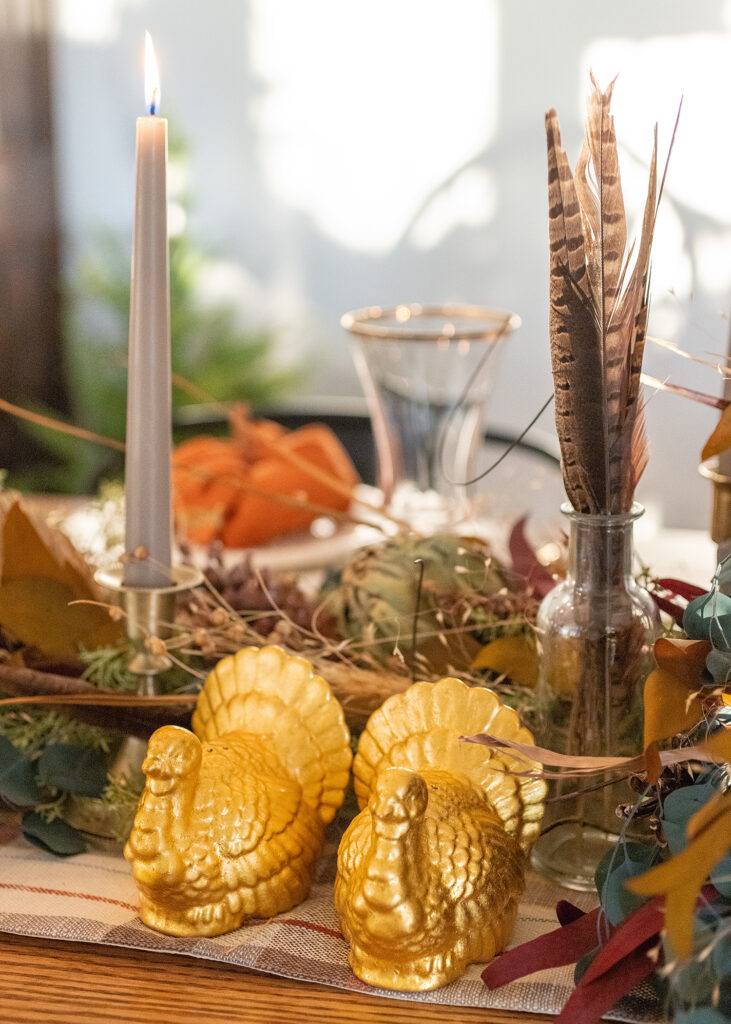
{"type": "Point", "coordinates": [152, 77]}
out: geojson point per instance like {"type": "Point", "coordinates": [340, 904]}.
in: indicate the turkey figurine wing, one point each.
{"type": "Point", "coordinates": [253, 828]}
{"type": "Point", "coordinates": [467, 846]}
{"type": "Point", "coordinates": [354, 845]}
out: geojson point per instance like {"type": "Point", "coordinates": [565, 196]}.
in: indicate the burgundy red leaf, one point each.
{"type": "Point", "coordinates": [589, 1000]}
{"type": "Point", "coordinates": [576, 939]}
{"type": "Point", "coordinates": [682, 588]}
{"type": "Point", "coordinates": [666, 605]}
{"type": "Point", "coordinates": [641, 925]}
{"type": "Point", "coordinates": [566, 912]}
{"type": "Point", "coordinates": [525, 563]}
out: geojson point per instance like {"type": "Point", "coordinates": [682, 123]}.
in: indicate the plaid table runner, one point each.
{"type": "Point", "coordinates": [92, 898]}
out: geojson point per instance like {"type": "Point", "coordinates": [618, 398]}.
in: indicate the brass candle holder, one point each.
{"type": "Point", "coordinates": [721, 511]}
{"type": "Point", "coordinates": [149, 612]}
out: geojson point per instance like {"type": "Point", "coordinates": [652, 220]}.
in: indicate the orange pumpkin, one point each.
{"type": "Point", "coordinates": [221, 486]}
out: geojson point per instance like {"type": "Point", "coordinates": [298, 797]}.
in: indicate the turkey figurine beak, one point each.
{"type": "Point", "coordinates": [159, 779]}
{"type": "Point", "coordinates": [400, 796]}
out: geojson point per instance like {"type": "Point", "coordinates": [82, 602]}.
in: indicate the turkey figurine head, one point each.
{"type": "Point", "coordinates": [172, 754]}
{"type": "Point", "coordinates": [399, 798]}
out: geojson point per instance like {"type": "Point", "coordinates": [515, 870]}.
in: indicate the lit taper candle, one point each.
{"type": "Point", "coordinates": [149, 416]}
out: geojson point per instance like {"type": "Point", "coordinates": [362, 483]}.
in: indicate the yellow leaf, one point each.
{"type": "Point", "coordinates": [719, 745]}
{"type": "Point", "coordinates": [514, 656]}
{"type": "Point", "coordinates": [37, 611]}
{"type": "Point", "coordinates": [686, 659]}
{"type": "Point", "coordinates": [679, 907]}
{"type": "Point", "coordinates": [681, 878]}
{"type": "Point", "coordinates": [29, 547]}
{"type": "Point", "coordinates": [720, 439]}
{"type": "Point", "coordinates": [670, 706]}
{"type": "Point", "coordinates": [715, 807]}
{"type": "Point", "coordinates": [41, 572]}
{"type": "Point", "coordinates": [671, 698]}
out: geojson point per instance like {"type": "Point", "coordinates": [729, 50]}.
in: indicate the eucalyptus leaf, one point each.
{"type": "Point", "coordinates": [721, 957]}
{"type": "Point", "coordinates": [17, 777]}
{"type": "Point", "coordinates": [723, 573]}
{"type": "Point", "coordinates": [630, 860]}
{"type": "Point", "coordinates": [583, 964]}
{"type": "Point", "coordinates": [52, 836]}
{"type": "Point", "coordinates": [680, 806]}
{"type": "Point", "coordinates": [73, 769]}
{"type": "Point", "coordinates": [718, 664]}
{"type": "Point", "coordinates": [700, 1015]}
{"type": "Point", "coordinates": [693, 982]}
{"type": "Point", "coordinates": [708, 617]}
{"type": "Point", "coordinates": [720, 630]}
{"type": "Point", "coordinates": [721, 876]}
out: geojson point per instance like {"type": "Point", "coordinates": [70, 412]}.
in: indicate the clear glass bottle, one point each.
{"type": "Point", "coordinates": [595, 636]}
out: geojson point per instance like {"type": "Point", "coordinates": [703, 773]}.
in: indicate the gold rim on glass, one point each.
{"type": "Point", "coordinates": [490, 324]}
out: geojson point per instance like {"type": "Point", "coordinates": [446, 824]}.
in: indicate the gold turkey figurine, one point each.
{"type": "Point", "coordinates": [431, 871]}
{"type": "Point", "coordinates": [232, 817]}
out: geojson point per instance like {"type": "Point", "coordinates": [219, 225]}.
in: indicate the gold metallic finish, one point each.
{"type": "Point", "coordinates": [431, 871]}
{"type": "Point", "coordinates": [721, 510]}
{"type": "Point", "coordinates": [149, 611]}
{"type": "Point", "coordinates": [232, 818]}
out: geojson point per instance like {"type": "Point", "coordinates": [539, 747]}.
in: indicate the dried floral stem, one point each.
{"type": "Point", "coordinates": [20, 680]}
{"type": "Point", "coordinates": [199, 394]}
{"type": "Point", "coordinates": [101, 699]}
{"type": "Point", "coordinates": [724, 371]}
{"type": "Point", "coordinates": [676, 389]}
{"type": "Point", "coordinates": [60, 426]}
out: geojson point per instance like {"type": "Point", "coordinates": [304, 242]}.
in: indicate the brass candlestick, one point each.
{"type": "Point", "coordinates": [149, 612]}
{"type": "Point", "coordinates": [721, 513]}
{"type": "Point", "coordinates": [717, 471]}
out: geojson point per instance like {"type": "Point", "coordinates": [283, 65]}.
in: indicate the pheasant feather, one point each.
{"type": "Point", "coordinates": [598, 314]}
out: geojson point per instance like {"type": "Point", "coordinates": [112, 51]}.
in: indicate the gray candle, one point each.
{"type": "Point", "coordinates": [149, 417]}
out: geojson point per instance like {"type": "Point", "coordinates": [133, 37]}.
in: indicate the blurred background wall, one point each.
{"type": "Point", "coordinates": [342, 153]}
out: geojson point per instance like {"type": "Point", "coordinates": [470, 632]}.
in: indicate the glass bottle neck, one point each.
{"type": "Point", "coordinates": [600, 550]}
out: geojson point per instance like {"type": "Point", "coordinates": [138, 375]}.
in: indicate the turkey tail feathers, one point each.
{"type": "Point", "coordinates": [421, 729]}
{"type": "Point", "coordinates": [268, 692]}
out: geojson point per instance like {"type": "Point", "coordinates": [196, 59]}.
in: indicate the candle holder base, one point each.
{"type": "Point", "coordinates": [149, 612]}
{"type": "Point", "coordinates": [721, 513]}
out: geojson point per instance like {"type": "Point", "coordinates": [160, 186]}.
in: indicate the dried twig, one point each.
{"type": "Point", "coordinates": [60, 426]}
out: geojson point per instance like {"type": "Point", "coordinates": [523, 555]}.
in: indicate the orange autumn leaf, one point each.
{"type": "Point", "coordinates": [681, 878]}
{"type": "Point", "coordinates": [720, 439]}
{"type": "Point", "coordinates": [671, 697]}
{"type": "Point", "coordinates": [686, 659]}
{"type": "Point", "coordinates": [41, 573]}
{"type": "Point", "coordinates": [670, 707]}
{"type": "Point", "coordinates": [513, 656]}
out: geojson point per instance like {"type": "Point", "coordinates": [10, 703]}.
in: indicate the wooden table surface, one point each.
{"type": "Point", "coordinates": [70, 983]}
